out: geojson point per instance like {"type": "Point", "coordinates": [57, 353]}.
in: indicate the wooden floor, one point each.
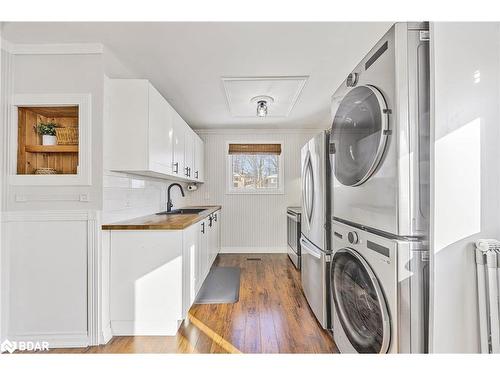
{"type": "Point", "coordinates": [271, 316]}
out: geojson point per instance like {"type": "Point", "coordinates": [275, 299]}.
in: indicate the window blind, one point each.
{"type": "Point", "coordinates": [255, 148]}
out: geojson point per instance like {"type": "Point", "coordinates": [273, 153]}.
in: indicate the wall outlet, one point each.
{"type": "Point", "coordinates": [84, 198]}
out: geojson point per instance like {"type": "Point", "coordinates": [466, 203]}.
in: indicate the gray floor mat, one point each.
{"type": "Point", "coordinates": [222, 285]}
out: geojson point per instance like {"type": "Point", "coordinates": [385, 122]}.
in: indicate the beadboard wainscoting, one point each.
{"type": "Point", "coordinates": [53, 277]}
{"type": "Point", "coordinates": [253, 223]}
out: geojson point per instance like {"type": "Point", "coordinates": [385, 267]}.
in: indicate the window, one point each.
{"type": "Point", "coordinates": [255, 168]}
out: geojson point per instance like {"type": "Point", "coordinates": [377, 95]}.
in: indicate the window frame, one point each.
{"type": "Point", "coordinates": [230, 189]}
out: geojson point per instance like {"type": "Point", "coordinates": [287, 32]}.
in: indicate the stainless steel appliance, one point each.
{"type": "Point", "coordinates": [379, 291]}
{"type": "Point", "coordinates": [380, 136]}
{"type": "Point", "coordinates": [380, 157]}
{"type": "Point", "coordinates": [315, 225]}
{"type": "Point", "coordinates": [293, 215]}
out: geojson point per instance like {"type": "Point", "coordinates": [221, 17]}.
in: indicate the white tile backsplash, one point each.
{"type": "Point", "coordinates": [127, 196]}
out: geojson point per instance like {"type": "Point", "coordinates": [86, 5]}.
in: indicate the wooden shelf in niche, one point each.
{"type": "Point", "coordinates": [56, 148]}
{"type": "Point", "coordinates": [31, 154]}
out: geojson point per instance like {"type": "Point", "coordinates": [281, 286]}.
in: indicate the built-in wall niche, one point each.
{"type": "Point", "coordinates": [47, 140]}
{"type": "Point", "coordinates": [64, 157]}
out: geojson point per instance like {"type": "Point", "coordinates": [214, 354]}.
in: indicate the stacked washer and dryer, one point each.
{"type": "Point", "coordinates": [379, 153]}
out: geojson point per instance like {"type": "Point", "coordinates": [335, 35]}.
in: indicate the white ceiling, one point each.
{"type": "Point", "coordinates": [185, 61]}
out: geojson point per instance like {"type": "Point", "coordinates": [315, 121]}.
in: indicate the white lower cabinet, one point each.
{"type": "Point", "coordinates": [155, 275]}
{"type": "Point", "coordinates": [146, 283]}
{"type": "Point", "coordinates": [209, 247]}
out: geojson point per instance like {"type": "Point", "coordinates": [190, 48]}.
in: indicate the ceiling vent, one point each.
{"type": "Point", "coordinates": [241, 94]}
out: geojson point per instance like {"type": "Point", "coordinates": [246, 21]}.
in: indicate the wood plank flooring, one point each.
{"type": "Point", "coordinates": [271, 316]}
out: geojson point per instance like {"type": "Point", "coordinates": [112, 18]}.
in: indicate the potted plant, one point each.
{"type": "Point", "coordinates": [48, 132]}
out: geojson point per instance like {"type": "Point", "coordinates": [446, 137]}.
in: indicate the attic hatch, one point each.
{"type": "Point", "coordinates": [285, 91]}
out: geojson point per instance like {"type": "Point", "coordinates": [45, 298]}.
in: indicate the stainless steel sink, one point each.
{"type": "Point", "coordinates": [183, 211]}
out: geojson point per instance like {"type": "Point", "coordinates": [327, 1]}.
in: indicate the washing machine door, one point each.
{"type": "Point", "coordinates": [359, 134]}
{"type": "Point", "coordinates": [359, 302]}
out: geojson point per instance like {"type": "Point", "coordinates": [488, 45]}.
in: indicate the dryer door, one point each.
{"type": "Point", "coordinates": [359, 303]}
{"type": "Point", "coordinates": [359, 133]}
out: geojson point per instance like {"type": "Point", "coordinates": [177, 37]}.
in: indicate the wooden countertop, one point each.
{"type": "Point", "coordinates": [162, 222]}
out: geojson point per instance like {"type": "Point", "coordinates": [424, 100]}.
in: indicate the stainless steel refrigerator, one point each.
{"type": "Point", "coordinates": [315, 239]}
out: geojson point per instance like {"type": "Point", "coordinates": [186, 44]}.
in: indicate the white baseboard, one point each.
{"type": "Point", "coordinates": [56, 340]}
{"type": "Point", "coordinates": [134, 328]}
{"type": "Point", "coordinates": [106, 334]}
{"type": "Point", "coordinates": [259, 250]}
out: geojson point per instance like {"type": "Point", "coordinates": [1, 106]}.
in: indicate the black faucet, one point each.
{"type": "Point", "coordinates": [169, 201]}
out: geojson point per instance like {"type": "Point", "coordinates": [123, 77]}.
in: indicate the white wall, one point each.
{"type": "Point", "coordinates": [50, 241]}
{"type": "Point", "coordinates": [251, 222]}
{"type": "Point", "coordinates": [61, 74]}
{"type": "Point", "coordinates": [466, 186]}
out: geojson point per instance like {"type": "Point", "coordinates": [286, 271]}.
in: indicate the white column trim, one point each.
{"type": "Point", "coordinates": [94, 325]}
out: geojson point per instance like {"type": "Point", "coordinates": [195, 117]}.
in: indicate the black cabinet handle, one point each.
{"type": "Point", "coordinates": [215, 216]}
{"type": "Point", "coordinates": [210, 218]}
{"type": "Point", "coordinates": [187, 171]}
{"type": "Point", "coordinates": [203, 227]}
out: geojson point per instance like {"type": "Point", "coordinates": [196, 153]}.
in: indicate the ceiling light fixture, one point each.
{"type": "Point", "coordinates": [263, 102]}
{"type": "Point", "coordinates": [262, 108]}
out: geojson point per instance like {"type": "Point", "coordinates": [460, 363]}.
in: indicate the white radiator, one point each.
{"type": "Point", "coordinates": [488, 283]}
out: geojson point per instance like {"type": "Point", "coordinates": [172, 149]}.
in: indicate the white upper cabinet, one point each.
{"type": "Point", "coordinates": [161, 127]}
{"type": "Point", "coordinates": [178, 152]}
{"type": "Point", "coordinates": [199, 160]}
{"type": "Point", "coordinates": [144, 134]}
{"type": "Point", "coordinates": [189, 140]}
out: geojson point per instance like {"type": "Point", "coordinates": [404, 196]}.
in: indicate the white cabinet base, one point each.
{"type": "Point", "coordinates": [146, 282]}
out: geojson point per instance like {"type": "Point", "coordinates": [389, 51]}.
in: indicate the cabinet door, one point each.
{"type": "Point", "coordinates": [146, 282]}
{"type": "Point", "coordinates": [219, 225]}
{"type": "Point", "coordinates": [178, 146]}
{"type": "Point", "coordinates": [190, 266]}
{"type": "Point", "coordinates": [126, 131]}
{"type": "Point", "coordinates": [189, 147]}
{"type": "Point", "coordinates": [199, 158]}
{"type": "Point", "coordinates": [213, 240]}
{"type": "Point", "coordinates": [202, 260]}
{"type": "Point", "coordinates": [160, 133]}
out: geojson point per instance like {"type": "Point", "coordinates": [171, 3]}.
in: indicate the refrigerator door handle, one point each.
{"type": "Point", "coordinates": [307, 189]}
{"type": "Point", "coordinates": [309, 248]}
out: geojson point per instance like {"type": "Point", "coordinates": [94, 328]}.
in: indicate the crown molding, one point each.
{"type": "Point", "coordinates": [258, 131]}
{"type": "Point", "coordinates": [53, 49]}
